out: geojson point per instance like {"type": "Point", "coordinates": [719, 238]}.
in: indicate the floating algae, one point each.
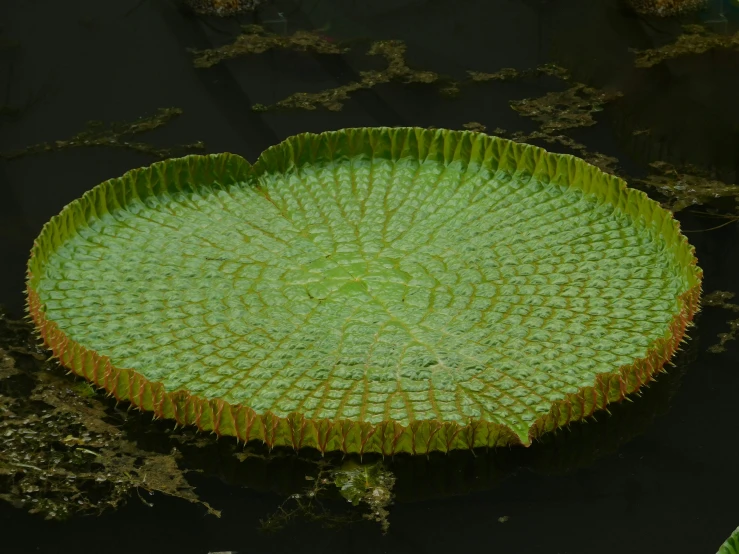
{"type": "Point", "coordinates": [67, 452]}
{"type": "Point", "coordinates": [511, 74]}
{"type": "Point", "coordinates": [720, 299]}
{"type": "Point", "coordinates": [556, 112]}
{"type": "Point", "coordinates": [666, 8]}
{"type": "Point", "coordinates": [475, 126]}
{"type": "Point", "coordinates": [365, 485]}
{"type": "Point", "coordinates": [393, 51]}
{"type": "Point", "coordinates": [222, 8]}
{"type": "Point", "coordinates": [686, 186]}
{"type": "Point", "coordinates": [695, 39]}
{"type": "Point", "coordinates": [62, 455]}
{"type": "Point", "coordinates": [368, 484]}
{"type": "Point", "coordinates": [574, 107]}
{"type": "Point", "coordinates": [256, 40]}
{"type": "Point", "coordinates": [115, 135]}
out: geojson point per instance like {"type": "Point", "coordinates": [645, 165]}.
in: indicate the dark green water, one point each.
{"type": "Point", "coordinates": [659, 476]}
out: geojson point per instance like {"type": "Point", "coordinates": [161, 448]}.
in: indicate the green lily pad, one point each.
{"type": "Point", "coordinates": [731, 546]}
{"type": "Point", "coordinates": [367, 290]}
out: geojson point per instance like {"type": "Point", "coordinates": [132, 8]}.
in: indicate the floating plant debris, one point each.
{"type": "Point", "coordinates": [222, 8]}
{"type": "Point", "coordinates": [256, 40]}
{"type": "Point", "coordinates": [398, 70]}
{"type": "Point", "coordinates": [686, 186]}
{"type": "Point", "coordinates": [559, 111]}
{"type": "Point", "coordinates": [720, 299]}
{"type": "Point", "coordinates": [581, 99]}
{"type": "Point", "coordinates": [61, 454]}
{"type": "Point", "coordinates": [115, 135]}
{"type": "Point", "coordinates": [666, 8]}
{"type": "Point", "coordinates": [574, 107]}
{"type": "Point", "coordinates": [475, 126]}
{"type": "Point", "coordinates": [510, 74]}
{"type": "Point", "coordinates": [695, 39]}
{"type": "Point", "coordinates": [607, 164]}
{"type": "Point", "coordinates": [368, 486]}
{"type": "Point", "coordinates": [393, 51]}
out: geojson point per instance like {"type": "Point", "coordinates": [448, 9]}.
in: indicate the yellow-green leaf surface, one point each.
{"type": "Point", "coordinates": [367, 290]}
{"type": "Point", "coordinates": [731, 546]}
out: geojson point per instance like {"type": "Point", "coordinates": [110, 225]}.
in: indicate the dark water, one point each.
{"type": "Point", "coordinates": [660, 476]}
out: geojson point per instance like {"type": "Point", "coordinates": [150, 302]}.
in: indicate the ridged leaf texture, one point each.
{"type": "Point", "coordinates": [731, 546]}
{"type": "Point", "coordinates": [366, 290]}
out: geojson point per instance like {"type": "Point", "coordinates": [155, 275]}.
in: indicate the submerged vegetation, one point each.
{"type": "Point", "coordinates": [115, 135]}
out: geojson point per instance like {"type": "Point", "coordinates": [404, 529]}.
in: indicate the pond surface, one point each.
{"type": "Point", "coordinates": [658, 475]}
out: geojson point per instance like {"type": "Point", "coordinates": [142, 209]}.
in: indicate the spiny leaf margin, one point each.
{"type": "Point", "coordinates": [351, 436]}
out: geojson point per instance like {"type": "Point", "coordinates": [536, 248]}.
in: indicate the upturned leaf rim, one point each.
{"type": "Point", "coordinates": [351, 436]}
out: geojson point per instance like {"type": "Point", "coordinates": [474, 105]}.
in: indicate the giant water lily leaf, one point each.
{"type": "Point", "coordinates": [731, 546]}
{"type": "Point", "coordinates": [386, 290]}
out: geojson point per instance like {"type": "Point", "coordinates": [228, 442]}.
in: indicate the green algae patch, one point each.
{"type": "Point", "coordinates": [367, 290]}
